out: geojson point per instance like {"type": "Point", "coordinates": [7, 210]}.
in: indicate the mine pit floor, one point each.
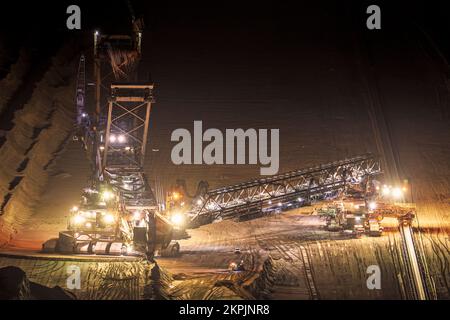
{"type": "Point", "coordinates": [285, 256]}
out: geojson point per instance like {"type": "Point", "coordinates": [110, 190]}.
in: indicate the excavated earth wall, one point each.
{"type": "Point", "coordinates": [100, 278]}
{"type": "Point", "coordinates": [39, 132]}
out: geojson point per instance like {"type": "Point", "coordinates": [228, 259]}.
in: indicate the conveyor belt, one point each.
{"type": "Point", "coordinates": [304, 185]}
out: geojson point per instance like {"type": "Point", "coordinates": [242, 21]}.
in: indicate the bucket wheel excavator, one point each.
{"type": "Point", "coordinates": [117, 213]}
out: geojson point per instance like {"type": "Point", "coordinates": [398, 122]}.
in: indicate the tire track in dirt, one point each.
{"type": "Point", "coordinates": [290, 279]}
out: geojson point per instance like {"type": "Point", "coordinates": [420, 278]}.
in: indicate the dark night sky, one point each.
{"type": "Point", "coordinates": [229, 24]}
{"type": "Point", "coordinates": [20, 19]}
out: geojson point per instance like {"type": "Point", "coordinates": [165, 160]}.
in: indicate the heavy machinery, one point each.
{"type": "Point", "coordinates": [176, 204]}
{"type": "Point", "coordinates": [354, 200]}
{"type": "Point", "coordinates": [363, 212]}
{"type": "Point", "coordinates": [117, 213]}
{"type": "Point", "coordinates": [283, 191]}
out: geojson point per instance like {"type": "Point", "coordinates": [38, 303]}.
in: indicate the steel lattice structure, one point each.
{"type": "Point", "coordinates": [125, 143]}
{"type": "Point", "coordinates": [308, 184]}
{"type": "Point", "coordinates": [82, 115]}
{"type": "Point", "coordinates": [116, 137]}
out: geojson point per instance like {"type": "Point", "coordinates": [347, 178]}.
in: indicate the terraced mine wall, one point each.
{"type": "Point", "coordinates": [40, 129]}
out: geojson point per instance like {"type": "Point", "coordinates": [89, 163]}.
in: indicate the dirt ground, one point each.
{"type": "Point", "coordinates": [287, 256]}
{"type": "Point", "coordinates": [290, 256]}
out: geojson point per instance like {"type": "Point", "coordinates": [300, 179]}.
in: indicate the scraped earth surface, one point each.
{"type": "Point", "coordinates": [287, 256]}
{"type": "Point", "coordinates": [291, 256]}
{"type": "Point", "coordinates": [100, 278]}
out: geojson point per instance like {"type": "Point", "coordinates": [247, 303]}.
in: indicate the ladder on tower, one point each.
{"type": "Point", "coordinates": [125, 141]}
